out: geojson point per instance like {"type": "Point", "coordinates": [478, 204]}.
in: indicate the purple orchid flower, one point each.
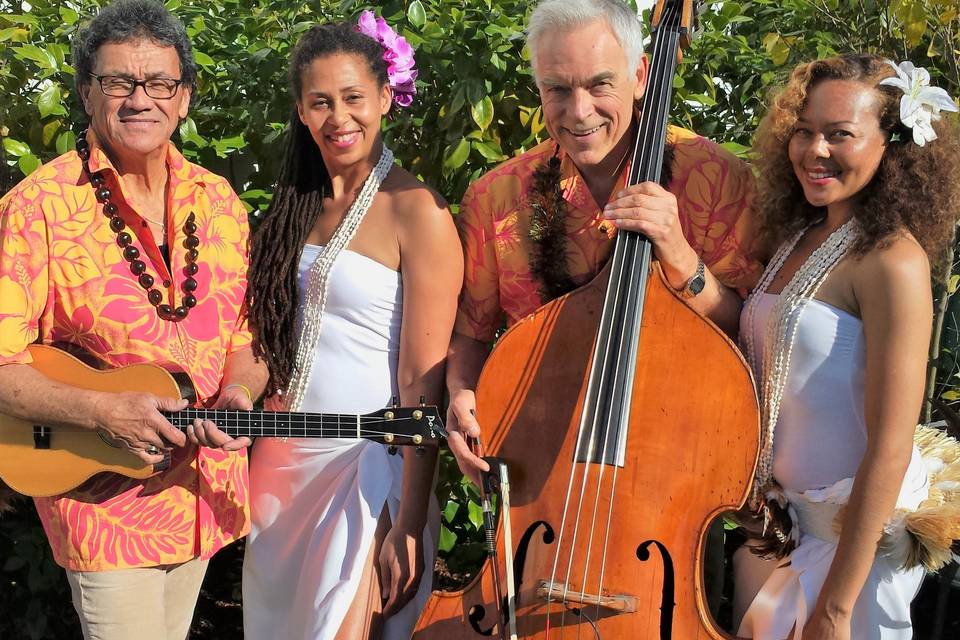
{"type": "Point", "coordinates": [397, 53]}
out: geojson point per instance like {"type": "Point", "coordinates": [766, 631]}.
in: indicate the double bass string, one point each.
{"type": "Point", "coordinates": [665, 44]}
{"type": "Point", "coordinates": [648, 142]}
{"type": "Point", "coordinates": [621, 299]}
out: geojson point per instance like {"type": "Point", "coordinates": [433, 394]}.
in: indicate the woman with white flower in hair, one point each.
{"type": "Point", "coordinates": [353, 284]}
{"type": "Point", "coordinates": [859, 188]}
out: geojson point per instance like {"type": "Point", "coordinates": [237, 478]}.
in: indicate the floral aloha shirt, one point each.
{"type": "Point", "coordinates": [63, 280]}
{"type": "Point", "coordinates": [713, 189]}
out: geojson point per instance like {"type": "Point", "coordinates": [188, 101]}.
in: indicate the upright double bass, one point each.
{"type": "Point", "coordinates": [628, 422]}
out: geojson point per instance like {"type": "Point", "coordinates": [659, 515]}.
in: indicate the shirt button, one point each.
{"type": "Point", "coordinates": [166, 283]}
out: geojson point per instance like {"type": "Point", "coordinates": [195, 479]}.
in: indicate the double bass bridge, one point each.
{"type": "Point", "coordinates": [559, 592]}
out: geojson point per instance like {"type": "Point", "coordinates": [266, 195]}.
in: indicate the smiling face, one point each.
{"type": "Point", "coordinates": [342, 104]}
{"type": "Point", "coordinates": [588, 93]}
{"type": "Point", "coordinates": [137, 126]}
{"type": "Point", "coordinates": [837, 143]}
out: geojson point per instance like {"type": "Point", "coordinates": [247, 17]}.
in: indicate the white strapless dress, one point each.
{"type": "Point", "coordinates": [315, 503]}
{"type": "Point", "coordinates": [821, 438]}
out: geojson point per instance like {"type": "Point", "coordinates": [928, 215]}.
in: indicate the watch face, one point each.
{"type": "Point", "coordinates": [696, 285]}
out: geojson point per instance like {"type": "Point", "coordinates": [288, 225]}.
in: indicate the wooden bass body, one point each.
{"type": "Point", "coordinates": [691, 452]}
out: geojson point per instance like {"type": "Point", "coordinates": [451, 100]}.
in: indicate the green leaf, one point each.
{"type": "Point", "coordinates": [66, 141]}
{"type": "Point", "coordinates": [203, 59]}
{"type": "Point", "coordinates": [737, 149]}
{"type": "Point", "coordinates": [16, 34]}
{"type": "Point", "coordinates": [15, 148]}
{"type": "Point", "coordinates": [482, 112]}
{"type": "Point", "coordinates": [49, 130]}
{"type": "Point", "coordinates": [188, 133]}
{"type": "Point", "coordinates": [224, 146]}
{"type": "Point", "coordinates": [48, 102]}
{"type": "Point", "coordinates": [953, 284]}
{"type": "Point", "coordinates": [41, 56]}
{"type": "Point", "coordinates": [20, 18]}
{"type": "Point", "coordinates": [475, 514]}
{"type": "Point", "coordinates": [455, 159]}
{"type": "Point", "coordinates": [488, 151]}
{"type": "Point", "coordinates": [450, 511]}
{"type": "Point", "coordinates": [776, 48]}
{"type": "Point", "coordinates": [416, 14]}
{"type": "Point", "coordinates": [28, 163]}
{"type": "Point", "coordinates": [447, 539]}
{"type": "Point", "coordinates": [69, 16]}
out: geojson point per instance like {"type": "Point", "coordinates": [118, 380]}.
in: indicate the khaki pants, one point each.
{"type": "Point", "coordinates": [153, 603]}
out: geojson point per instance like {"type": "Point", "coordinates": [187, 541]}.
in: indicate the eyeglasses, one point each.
{"type": "Point", "coordinates": [122, 87]}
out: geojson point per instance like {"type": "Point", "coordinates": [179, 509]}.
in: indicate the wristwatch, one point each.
{"type": "Point", "coordinates": [696, 283]}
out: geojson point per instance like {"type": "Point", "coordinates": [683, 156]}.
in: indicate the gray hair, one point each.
{"type": "Point", "coordinates": [561, 15]}
{"type": "Point", "coordinates": [131, 20]}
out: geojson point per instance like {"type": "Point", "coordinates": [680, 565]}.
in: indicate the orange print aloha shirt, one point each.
{"type": "Point", "coordinates": [63, 280]}
{"type": "Point", "coordinates": [713, 190]}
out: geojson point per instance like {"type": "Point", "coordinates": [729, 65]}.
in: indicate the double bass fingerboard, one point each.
{"type": "Point", "coordinates": [606, 414]}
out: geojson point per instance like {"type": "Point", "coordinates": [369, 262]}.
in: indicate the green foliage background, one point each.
{"type": "Point", "coordinates": [476, 106]}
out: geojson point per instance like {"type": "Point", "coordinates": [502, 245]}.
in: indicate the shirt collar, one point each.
{"type": "Point", "coordinates": [179, 169]}
{"type": "Point", "coordinates": [574, 187]}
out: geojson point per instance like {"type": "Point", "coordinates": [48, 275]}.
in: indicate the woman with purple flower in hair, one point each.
{"type": "Point", "coordinates": [352, 294]}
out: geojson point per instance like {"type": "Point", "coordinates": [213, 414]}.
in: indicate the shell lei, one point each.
{"type": "Point", "coordinates": [318, 278]}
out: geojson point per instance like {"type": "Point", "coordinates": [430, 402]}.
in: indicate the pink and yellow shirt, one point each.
{"type": "Point", "coordinates": [713, 190]}
{"type": "Point", "coordinates": [63, 280]}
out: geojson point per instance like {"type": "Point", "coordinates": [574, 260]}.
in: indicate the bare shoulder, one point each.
{"type": "Point", "coordinates": [899, 268]}
{"type": "Point", "coordinates": [415, 205]}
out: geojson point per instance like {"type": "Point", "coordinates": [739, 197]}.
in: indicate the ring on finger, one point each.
{"type": "Point", "coordinates": [152, 450]}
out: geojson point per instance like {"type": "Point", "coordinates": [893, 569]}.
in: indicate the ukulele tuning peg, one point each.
{"type": "Point", "coordinates": [392, 450]}
{"type": "Point", "coordinates": [394, 402]}
{"type": "Point", "coordinates": [423, 401]}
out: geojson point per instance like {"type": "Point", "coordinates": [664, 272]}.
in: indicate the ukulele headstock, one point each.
{"type": "Point", "coordinates": [399, 426]}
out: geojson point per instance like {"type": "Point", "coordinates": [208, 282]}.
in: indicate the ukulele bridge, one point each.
{"type": "Point", "coordinates": [558, 592]}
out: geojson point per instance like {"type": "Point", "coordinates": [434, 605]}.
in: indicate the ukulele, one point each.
{"type": "Point", "coordinates": [38, 460]}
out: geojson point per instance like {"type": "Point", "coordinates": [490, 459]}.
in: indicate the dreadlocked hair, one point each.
{"type": "Point", "coordinates": [275, 249]}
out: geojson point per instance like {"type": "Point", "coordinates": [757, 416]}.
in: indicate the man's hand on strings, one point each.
{"type": "Point", "coordinates": [650, 209]}
{"type": "Point", "coordinates": [205, 433]}
{"type": "Point", "coordinates": [134, 421]}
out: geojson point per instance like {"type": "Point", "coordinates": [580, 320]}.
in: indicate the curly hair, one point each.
{"type": "Point", "coordinates": [915, 188]}
{"type": "Point", "coordinates": [272, 290]}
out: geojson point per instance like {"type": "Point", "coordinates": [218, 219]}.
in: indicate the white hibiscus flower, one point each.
{"type": "Point", "coordinates": [921, 104]}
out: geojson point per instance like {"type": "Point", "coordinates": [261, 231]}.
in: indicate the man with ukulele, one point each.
{"type": "Point", "coordinates": [124, 249]}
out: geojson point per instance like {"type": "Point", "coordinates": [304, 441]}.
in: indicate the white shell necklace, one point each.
{"type": "Point", "coordinates": [772, 368]}
{"type": "Point", "coordinates": [318, 279]}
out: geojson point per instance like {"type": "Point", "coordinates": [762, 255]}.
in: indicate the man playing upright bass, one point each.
{"type": "Point", "coordinates": [543, 223]}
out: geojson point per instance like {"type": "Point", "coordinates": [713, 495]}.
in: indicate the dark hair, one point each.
{"type": "Point", "coordinates": [131, 20]}
{"type": "Point", "coordinates": [915, 188]}
{"type": "Point", "coordinates": [272, 290]}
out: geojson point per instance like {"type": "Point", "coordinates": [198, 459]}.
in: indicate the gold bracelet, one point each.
{"type": "Point", "coordinates": [245, 388]}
